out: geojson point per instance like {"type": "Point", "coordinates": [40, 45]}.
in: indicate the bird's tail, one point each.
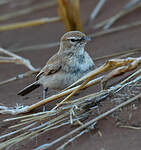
{"type": "Point", "coordinates": [29, 88]}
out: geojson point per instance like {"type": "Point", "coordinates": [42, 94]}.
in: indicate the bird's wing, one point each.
{"type": "Point", "coordinates": [53, 65]}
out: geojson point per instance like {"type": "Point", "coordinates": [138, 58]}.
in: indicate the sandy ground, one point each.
{"type": "Point", "coordinates": [113, 138]}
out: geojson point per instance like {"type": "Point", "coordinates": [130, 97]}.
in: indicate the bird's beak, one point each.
{"type": "Point", "coordinates": [86, 38]}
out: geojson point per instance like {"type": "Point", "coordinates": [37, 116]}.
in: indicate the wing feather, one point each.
{"type": "Point", "coordinates": [53, 65]}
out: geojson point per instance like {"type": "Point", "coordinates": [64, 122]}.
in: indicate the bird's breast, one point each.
{"type": "Point", "coordinates": [79, 64]}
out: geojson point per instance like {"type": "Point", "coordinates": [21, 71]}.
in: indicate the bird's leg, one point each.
{"type": "Point", "coordinates": [44, 96]}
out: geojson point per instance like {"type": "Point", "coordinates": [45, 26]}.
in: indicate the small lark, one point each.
{"type": "Point", "coordinates": [68, 65]}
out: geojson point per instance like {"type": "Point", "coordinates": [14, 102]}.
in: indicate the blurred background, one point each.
{"type": "Point", "coordinates": [32, 29]}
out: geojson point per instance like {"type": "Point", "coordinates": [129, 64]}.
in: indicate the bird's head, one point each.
{"type": "Point", "coordinates": [73, 40]}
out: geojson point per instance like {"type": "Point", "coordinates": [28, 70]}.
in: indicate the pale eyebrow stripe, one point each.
{"type": "Point", "coordinates": [75, 38]}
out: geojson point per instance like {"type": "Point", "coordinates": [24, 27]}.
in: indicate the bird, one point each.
{"type": "Point", "coordinates": [69, 64]}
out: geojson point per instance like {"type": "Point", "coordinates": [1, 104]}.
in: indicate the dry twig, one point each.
{"type": "Point", "coordinates": [69, 14]}
{"type": "Point", "coordinates": [116, 29]}
{"type": "Point", "coordinates": [19, 76]}
{"type": "Point", "coordinates": [28, 10]}
{"type": "Point", "coordinates": [2, 2]}
{"type": "Point", "coordinates": [28, 23]}
{"type": "Point", "coordinates": [87, 124]}
{"type": "Point", "coordinates": [37, 47]}
{"type": "Point", "coordinates": [120, 54]}
{"type": "Point", "coordinates": [96, 10]}
{"type": "Point", "coordinates": [80, 108]}
{"type": "Point", "coordinates": [25, 109]}
{"type": "Point", "coordinates": [126, 64]}
{"type": "Point", "coordinates": [128, 8]}
{"type": "Point", "coordinates": [15, 59]}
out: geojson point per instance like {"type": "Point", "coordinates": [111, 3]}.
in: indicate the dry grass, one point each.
{"type": "Point", "coordinates": [28, 10]}
{"type": "Point", "coordinates": [68, 13]}
{"type": "Point", "coordinates": [72, 111]}
{"type": "Point", "coordinates": [128, 8]}
{"type": "Point", "coordinates": [75, 111]}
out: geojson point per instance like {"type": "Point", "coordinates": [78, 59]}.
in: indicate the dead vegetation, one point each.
{"type": "Point", "coordinates": [72, 111]}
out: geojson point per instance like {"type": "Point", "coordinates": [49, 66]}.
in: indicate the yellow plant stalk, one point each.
{"type": "Point", "coordinates": [28, 23]}
{"type": "Point", "coordinates": [69, 14]}
{"type": "Point", "coordinates": [76, 14]}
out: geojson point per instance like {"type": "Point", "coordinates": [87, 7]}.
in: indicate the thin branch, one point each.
{"type": "Point", "coordinates": [36, 47]}
{"type": "Point", "coordinates": [126, 10]}
{"type": "Point", "coordinates": [31, 23]}
{"type": "Point", "coordinates": [25, 109]}
{"type": "Point", "coordinates": [96, 10]}
{"type": "Point", "coordinates": [50, 124]}
{"type": "Point", "coordinates": [87, 124]}
{"type": "Point", "coordinates": [132, 5]}
{"type": "Point", "coordinates": [2, 2]}
{"type": "Point", "coordinates": [14, 58]}
{"type": "Point", "coordinates": [116, 29]}
{"type": "Point", "coordinates": [28, 10]}
{"type": "Point", "coordinates": [19, 76]}
{"type": "Point", "coordinates": [109, 65]}
{"type": "Point", "coordinates": [129, 127]}
{"type": "Point", "coordinates": [122, 53]}
{"type": "Point", "coordinates": [54, 97]}
{"type": "Point", "coordinates": [72, 139]}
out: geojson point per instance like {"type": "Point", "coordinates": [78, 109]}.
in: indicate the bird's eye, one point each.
{"type": "Point", "coordinates": [72, 40]}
